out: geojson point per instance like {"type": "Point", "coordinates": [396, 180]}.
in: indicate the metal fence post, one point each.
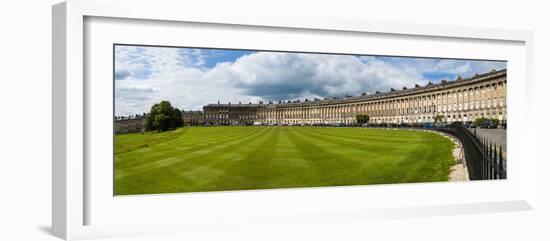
{"type": "Point", "coordinates": [489, 155]}
{"type": "Point", "coordinates": [487, 159]}
{"type": "Point", "coordinates": [483, 159]}
{"type": "Point", "coordinates": [500, 164]}
{"type": "Point", "coordinates": [495, 164]}
{"type": "Point", "coordinates": [483, 168]}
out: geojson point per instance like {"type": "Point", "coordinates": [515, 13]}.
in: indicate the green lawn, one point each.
{"type": "Point", "coordinates": [194, 159]}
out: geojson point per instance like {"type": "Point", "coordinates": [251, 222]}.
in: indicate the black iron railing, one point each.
{"type": "Point", "coordinates": [494, 163]}
{"type": "Point", "coordinates": [483, 158]}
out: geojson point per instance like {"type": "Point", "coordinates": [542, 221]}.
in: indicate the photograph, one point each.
{"type": "Point", "coordinates": [275, 120]}
{"type": "Point", "coordinates": [195, 119]}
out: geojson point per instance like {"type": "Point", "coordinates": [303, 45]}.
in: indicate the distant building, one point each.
{"type": "Point", "coordinates": [129, 124]}
{"type": "Point", "coordinates": [461, 100]}
{"type": "Point", "coordinates": [192, 118]}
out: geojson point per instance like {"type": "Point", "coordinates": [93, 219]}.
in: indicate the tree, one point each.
{"type": "Point", "coordinates": [438, 119]}
{"type": "Point", "coordinates": [177, 118]}
{"type": "Point", "coordinates": [486, 122]}
{"type": "Point", "coordinates": [362, 119]}
{"type": "Point", "coordinates": [162, 117]}
{"type": "Point", "coordinates": [480, 121]}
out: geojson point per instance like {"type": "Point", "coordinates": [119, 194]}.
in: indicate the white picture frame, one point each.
{"type": "Point", "coordinates": [72, 186]}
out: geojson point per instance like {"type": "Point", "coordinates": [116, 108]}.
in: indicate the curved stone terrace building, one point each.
{"type": "Point", "coordinates": [460, 100]}
{"type": "Point", "coordinates": [193, 117]}
{"type": "Point", "coordinates": [129, 124]}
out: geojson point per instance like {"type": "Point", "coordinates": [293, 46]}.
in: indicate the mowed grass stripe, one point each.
{"type": "Point", "coordinates": [362, 139]}
{"type": "Point", "coordinates": [175, 174]}
{"type": "Point", "coordinates": [359, 148]}
{"type": "Point", "coordinates": [254, 170]}
{"type": "Point", "coordinates": [430, 162]}
{"type": "Point", "coordinates": [166, 155]}
{"type": "Point", "coordinates": [323, 160]}
{"type": "Point", "coordinates": [133, 141]}
{"type": "Point", "coordinates": [371, 160]}
{"type": "Point", "coordinates": [186, 175]}
{"type": "Point", "coordinates": [239, 158]}
{"type": "Point", "coordinates": [372, 135]}
{"type": "Point", "coordinates": [421, 150]}
{"type": "Point", "coordinates": [186, 143]}
{"type": "Point", "coordinates": [353, 142]}
{"type": "Point", "coordinates": [272, 163]}
{"type": "Point", "coordinates": [205, 137]}
{"type": "Point", "coordinates": [406, 161]}
{"type": "Point", "coordinates": [212, 171]}
{"type": "Point", "coordinates": [380, 135]}
{"type": "Point", "coordinates": [291, 168]}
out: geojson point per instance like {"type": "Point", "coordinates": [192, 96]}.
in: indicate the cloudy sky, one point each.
{"type": "Point", "coordinates": [191, 78]}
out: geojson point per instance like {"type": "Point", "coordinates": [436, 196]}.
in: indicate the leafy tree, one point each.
{"type": "Point", "coordinates": [162, 117]}
{"type": "Point", "coordinates": [177, 118]}
{"type": "Point", "coordinates": [362, 119]}
{"type": "Point", "coordinates": [438, 119]}
{"type": "Point", "coordinates": [480, 121]}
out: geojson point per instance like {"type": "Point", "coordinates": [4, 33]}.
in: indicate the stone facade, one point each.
{"type": "Point", "coordinates": [461, 100]}
{"type": "Point", "coordinates": [129, 124]}
{"type": "Point", "coordinates": [192, 118]}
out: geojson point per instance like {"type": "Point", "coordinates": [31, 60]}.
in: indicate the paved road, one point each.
{"type": "Point", "coordinates": [497, 136]}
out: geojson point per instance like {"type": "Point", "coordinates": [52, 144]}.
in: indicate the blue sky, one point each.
{"type": "Point", "coordinates": [215, 56]}
{"type": "Point", "coordinates": [191, 77]}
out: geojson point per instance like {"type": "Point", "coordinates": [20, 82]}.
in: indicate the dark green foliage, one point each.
{"type": "Point", "coordinates": [484, 121]}
{"type": "Point", "coordinates": [479, 121]}
{"type": "Point", "coordinates": [438, 119]}
{"type": "Point", "coordinates": [162, 117]}
{"type": "Point", "coordinates": [362, 119]}
{"type": "Point", "coordinates": [178, 121]}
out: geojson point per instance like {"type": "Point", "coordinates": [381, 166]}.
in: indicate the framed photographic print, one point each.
{"type": "Point", "coordinates": [180, 121]}
{"type": "Point", "coordinates": [256, 119]}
